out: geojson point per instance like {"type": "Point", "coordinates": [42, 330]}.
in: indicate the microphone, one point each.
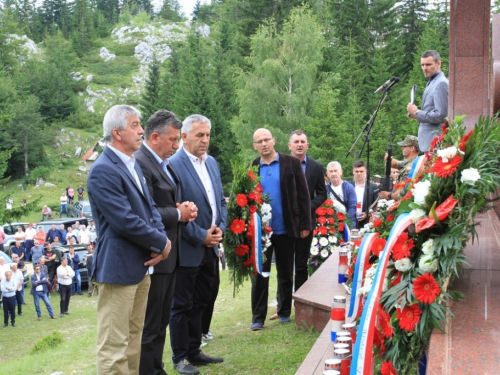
{"type": "Point", "coordinates": [389, 83]}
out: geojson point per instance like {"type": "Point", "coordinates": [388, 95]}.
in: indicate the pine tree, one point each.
{"type": "Point", "coordinates": [83, 27]}
{"type": "Point", "coordinates": [50, 80]}
{"type": "Point", "coordinates": [412, 15]}
{"type": "Point", "coordinates": [150, 101]}
{"type": "Point", "coordinates": [276, 92]}
{"type": "Point", "coordinates": [171, 10]}
{"type": "Point", "coordinates": [25, 132]}
{"type": "Point", "coordinates": [110, 9]}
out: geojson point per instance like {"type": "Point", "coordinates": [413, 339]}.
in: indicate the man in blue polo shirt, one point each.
{"type": "Point", "coordinates": [283, 180]}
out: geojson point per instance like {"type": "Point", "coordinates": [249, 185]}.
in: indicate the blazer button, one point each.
{"type": "Point", "coordinates": [151, 220]}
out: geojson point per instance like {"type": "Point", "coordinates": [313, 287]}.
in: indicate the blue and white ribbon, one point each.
{"type": "Point", "coordinates": [362, 357]}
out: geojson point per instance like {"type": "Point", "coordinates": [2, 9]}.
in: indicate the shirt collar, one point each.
{"type": "Point", "coordinates": [435, 75]}
{"type": "Point", "coordinates": [195, 158]}
{"type": "Point", "coordinates": [158, 159]}
{"type": "Point", "coordinates": [127, 160]}
{"type": "Point", "coordinates": [276, 159]}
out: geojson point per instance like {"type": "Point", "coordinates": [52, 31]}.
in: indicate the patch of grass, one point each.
{"type": "Point", "coordinates": [119, 66]}
{"type": "Point", "coordinates": [48, 342]}
{"type": "Point", "coordinates": [125, 49]}
{"type": "Point", "coordinates": [278, 349]}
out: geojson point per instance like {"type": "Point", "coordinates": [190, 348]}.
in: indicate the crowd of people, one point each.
{"type": "Point", "coordinates": [53, 269]}
{"type": "Point", "coordinates": [161, 217]}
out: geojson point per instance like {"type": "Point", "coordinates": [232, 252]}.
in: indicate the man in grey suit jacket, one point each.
{"type": "Point", "coordinates": [200, 183]}
{"type": "Point", "coordinates": [131, 239]}
{"type": "Point", "coordinates": [434, 101]}
{"type": "Point", "coordinates": [162, 133]}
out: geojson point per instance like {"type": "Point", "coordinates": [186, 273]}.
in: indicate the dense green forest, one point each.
{"type": "Point", "coordinates": [245, 64]}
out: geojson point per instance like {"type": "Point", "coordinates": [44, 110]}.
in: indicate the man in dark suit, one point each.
{"type": "Point", "coordinates": [162, 133]}
{"type": "Point", "coordinates": [201, 184]}
{"type": "Point", "coordinates": [315, 178]}
{"type": "Point", "coordinates": [364, 201]}
{"type": "Point", "coordinates": [434, 100]}
{"type": "Point", "coordinates": [131, 240]}
{"type": "Point", "coordinates": [283, 180]}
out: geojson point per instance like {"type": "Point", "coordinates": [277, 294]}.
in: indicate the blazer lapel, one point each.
{"type": "Point", "coordinates": [177, 185]}
{"type": "Point", "coordinates": [158, 167]}
{"type": "Point", "coordinates": [189, 167]}
{"type": "Point", "coordinates": [117, 161]}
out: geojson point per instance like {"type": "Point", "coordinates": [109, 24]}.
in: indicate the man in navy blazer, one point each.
{"type": "Point", "coordinates": [161, 139]}
{"type": "Point", "coordinates": [434, 101]}
{"type": "Point", "coordinates": [40, 290]}
{"type": "Point", "coordinates": [131, 239]}
{"type": "Point", "coordinates": [201, 184]}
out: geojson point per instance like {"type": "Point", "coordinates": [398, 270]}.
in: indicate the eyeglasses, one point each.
{"type": "Point", "coordinates": [265, 140]}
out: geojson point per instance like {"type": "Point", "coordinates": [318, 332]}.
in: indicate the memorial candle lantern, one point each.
{"type": "Point", "coordinates": [351, 328]}
{"type": "Point", "coordinates": [337, 316]}
{"type": "Point", "coordinates": [343, 261]}
{"type": "Point", "coordinates": [344, 356]}
{"type": "Point", "coordinates": [333, 364]}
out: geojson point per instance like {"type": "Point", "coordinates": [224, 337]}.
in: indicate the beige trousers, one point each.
{"type": "Point", "coordinates": [120, 320]}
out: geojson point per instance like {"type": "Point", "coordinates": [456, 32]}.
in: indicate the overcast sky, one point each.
{"type": "Point", "coordinates": [187, 5]}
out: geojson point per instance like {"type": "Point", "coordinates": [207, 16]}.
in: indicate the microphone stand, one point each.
{"type": "Point", "coordinates": [367, 129]}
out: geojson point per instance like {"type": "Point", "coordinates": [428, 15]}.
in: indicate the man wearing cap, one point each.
{"type": "Point", "coordinates": [434, 100]}
{"type": "Point", "coordinates": [410, 150]}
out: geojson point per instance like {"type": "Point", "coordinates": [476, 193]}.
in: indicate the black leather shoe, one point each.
{"type": "Point", "coordinates": [13, 324]}
{"type": "Point", "coordinates": [184, 367]}
{"type": "Point", "coordinates": [5, 325]}
{"type": "Point", "coordinates": [202, 359]}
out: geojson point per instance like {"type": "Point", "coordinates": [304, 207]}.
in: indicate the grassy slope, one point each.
{"type": "Point", "coordinates": [278, 349]}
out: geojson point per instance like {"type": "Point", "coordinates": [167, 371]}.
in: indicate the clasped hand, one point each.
{"type": "Point", "coordinates": [188, 211]}
{"type": "Point", "coordinates": [157, 258]}
{"type": "Point", "coordinates": [214, 236]}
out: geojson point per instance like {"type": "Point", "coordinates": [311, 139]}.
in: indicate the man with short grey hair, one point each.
{"type": "Point", "coordinates": [162, 133]}
{"type": "Point", "coordinates": [131, 240]}
{"type": "Point", "coordinates": [434, 100]}
{"type": "Point", "coordinates": [200, 182]}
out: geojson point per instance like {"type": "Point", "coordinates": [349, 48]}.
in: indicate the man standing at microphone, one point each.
{"type": "Point", "coordinates": [434, 101]}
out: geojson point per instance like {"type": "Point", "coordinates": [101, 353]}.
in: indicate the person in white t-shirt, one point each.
{"type": "Point", "coordinates": [84, 237]}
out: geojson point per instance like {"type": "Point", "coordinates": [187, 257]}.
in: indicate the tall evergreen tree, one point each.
{"type": "Point", "coordinates": [83, 27]}
{"type": "Point", "coordinates": [26, 134]}
{"type": "Point", "coordinates": [412, 15]}
{"type": "Point", "coordinates": [276, 92]}
{"type": "Point", "coordinates": [150, 101]}
{"type": "Point", "coordinates": [171, 10]}
{"type": "Point", "coordinates": [50, 80]}
{"type": "Point", "coordinates": [8, 47]}
{"type": "Point", "coordinates": [110, 9]}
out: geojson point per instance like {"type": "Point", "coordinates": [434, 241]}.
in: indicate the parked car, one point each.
{"type": "Point", "coordinates": [81, 209]}
{"type": "Point", "coordinates": [47, 224]}
{"type": "Point", "coordinates": [81, 250]}
{"type": "Point", "coordinates": [10, 229]}
{"type": "Point", "coordinates": [7, 259]}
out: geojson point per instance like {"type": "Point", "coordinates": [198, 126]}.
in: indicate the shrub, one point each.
{"type": "Point", "coordinates": [50, 341]}
{"type": "Point", "coordinates": [36, 173]}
